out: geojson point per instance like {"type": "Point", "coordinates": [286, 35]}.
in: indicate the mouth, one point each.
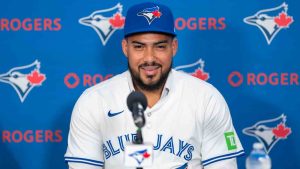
{"type": "Point", "coordinates": [150, 70]}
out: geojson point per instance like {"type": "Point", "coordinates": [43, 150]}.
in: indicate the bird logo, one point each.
{"type": "Point", "coordinates": [269, 132]}
{"type": "Point", "coordinates": [105, 22]}
{"type": "Point", "coordinates": [150, 14]}
{"type": "Point", "coordinates": [271, 21]}
{"type": "Point", "coordinates": [24, 78]}
{"type": "Point", "coordinates": [140, 155]}
{"type": "Point", "coordinates": [195, 69]}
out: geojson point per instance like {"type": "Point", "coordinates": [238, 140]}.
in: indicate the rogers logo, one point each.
{"type": "Point", "coordinates": [29, 24]}
{"type": "Point", "coordinates": [31, 136]}
{"type": "Point", "coordinates": [73, 80]}
{"type": "Point", "coordinates": [202, 23]}
{"type": "Point", "coordinates": [236, 79]}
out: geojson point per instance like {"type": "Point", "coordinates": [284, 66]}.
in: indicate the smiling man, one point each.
{"type": "Point", "coordinates": [149, 62]}
{"type": "Point", "coordinates": [187, 120]}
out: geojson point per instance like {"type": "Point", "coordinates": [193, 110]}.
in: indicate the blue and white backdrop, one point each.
{"type": "Point", "coordinates": [51, 51]}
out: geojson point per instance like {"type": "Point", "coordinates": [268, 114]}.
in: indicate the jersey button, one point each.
{"type": "Point", "coordinates": [149, 114]}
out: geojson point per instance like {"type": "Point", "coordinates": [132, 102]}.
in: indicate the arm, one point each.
{"type": "Point", "coordinates": [85, 142]}
{"type": "Point", "coordinates": [225, 164]}
{"type": "Point", "coordinates": [220, 145]}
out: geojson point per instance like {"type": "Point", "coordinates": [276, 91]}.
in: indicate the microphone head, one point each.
{"type": "Point", "coordinates": [136, 97]}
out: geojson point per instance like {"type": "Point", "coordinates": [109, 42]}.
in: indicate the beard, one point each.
{"type": "Point", "coordinates": [137, 81]}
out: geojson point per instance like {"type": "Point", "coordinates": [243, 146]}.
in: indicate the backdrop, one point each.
{"type": "Point", "coordinates": [51, 51]}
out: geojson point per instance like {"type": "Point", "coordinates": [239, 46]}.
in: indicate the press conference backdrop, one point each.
{"type": "Point", "coordinates": [51, 51]}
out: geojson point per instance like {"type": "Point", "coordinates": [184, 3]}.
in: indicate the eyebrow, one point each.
{"type": "Point", "coordinates": [156, 43]}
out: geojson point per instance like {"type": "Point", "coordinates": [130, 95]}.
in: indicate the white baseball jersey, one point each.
{"type": "Point", "coordinates": [189, 127]}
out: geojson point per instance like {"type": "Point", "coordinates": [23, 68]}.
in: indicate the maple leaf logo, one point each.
{"type": "Point", "coordinates": [146, 155]}
{"type": "Point", "coordinates": [36, 78]}
{"type": "Point", "coordinates": [200, 74]}
{"type": "Point", "coordinates": [281, 131]}
{"type": "Point", "coordinates": [117, 21]}
{"type": "Point", "coordinates": [157, 14]}
{"type": "Point", "coordinates": [283, 20]}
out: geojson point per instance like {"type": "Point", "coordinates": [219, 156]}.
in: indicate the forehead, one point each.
{"type": "Point", "coordinates": [149, 38]}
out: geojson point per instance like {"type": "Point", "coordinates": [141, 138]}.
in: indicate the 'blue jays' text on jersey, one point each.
{"type": "Point", "coordinates": [190, 126]}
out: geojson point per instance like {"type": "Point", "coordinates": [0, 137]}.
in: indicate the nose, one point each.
{"type": "Point", "coordinates": [149, 55]}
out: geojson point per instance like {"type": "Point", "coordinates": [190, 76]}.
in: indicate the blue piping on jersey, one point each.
{"type": "Point", "coordinates": [223, 157]}
{"type": "Point", "coordinates": [84, 160]}
{"type": "Point", "coordinates": [183, 167]}
{"type": "Point", "coordinates": [84, 163]}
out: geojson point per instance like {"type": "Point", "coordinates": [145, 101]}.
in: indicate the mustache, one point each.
{"type": "Point", "coordinates": [150, 64]}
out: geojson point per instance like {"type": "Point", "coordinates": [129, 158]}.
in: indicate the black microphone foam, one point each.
{"type": "Point", "coordinates": [136, 97]}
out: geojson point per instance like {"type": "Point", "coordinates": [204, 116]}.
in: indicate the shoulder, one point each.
{"type": "Point", "coordinates": [196, 90]}
{"type": "Point", "coordinates": [98, 98]}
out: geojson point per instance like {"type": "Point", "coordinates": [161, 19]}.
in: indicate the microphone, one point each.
{"type": "Point", "coordinates": [137, 104]}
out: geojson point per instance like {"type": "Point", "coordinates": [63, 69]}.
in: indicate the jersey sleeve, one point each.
{"type": "Point", "coordinates": [223, 164]}
{"type": "Point", "coordinates": [84, 141]}
{"type": "Point", "coordinates": [219, 140]}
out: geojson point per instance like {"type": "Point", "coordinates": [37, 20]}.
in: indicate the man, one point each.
{"type": "Point", "coordinates": [187, 120]}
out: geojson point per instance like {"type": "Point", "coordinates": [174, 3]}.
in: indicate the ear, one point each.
{"type": "Point", "coordinates": [174, 46]}
{"type": "Point", "coordinates": [125, 47]}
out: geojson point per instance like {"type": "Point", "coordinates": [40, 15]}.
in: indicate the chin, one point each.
{"type": "Point", "coordinates": [151, 80]}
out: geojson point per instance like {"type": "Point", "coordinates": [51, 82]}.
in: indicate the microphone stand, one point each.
{"type": "Point", "coordinates": [139, 136]}
{"type": "Point", "coordinates": [137, 103]}
{"type": "Point", "coordinates": [139, 140]}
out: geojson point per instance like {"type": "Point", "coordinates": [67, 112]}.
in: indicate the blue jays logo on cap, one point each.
{"type": "Point", "coordinates": [149, 17]}
{"type": "Point", "coordinates": [150, 13]}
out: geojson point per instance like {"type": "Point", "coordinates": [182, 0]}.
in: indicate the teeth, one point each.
{"type": "Point", "coordinates": [150, 67]}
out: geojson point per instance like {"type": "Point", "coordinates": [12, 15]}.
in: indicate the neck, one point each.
{"type": "Point", "coordinates": [152, 96]}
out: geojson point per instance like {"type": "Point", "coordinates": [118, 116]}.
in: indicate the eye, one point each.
{"type": "Point", "coordinates": [263, 18]}
{"type": "Point", "coordinates": [161, 47]}
{"type": "Point", "coordinates": [97, 18]}
{"type": "Point", "coordinates": [138, 47]}
{"type": "Point", "coordinates": [15, 75]}
{"type": "Point", "coordinates": [261, 128]}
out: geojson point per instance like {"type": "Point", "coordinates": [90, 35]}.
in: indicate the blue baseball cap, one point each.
{"type": "Point", "coordinates": [149, 17]}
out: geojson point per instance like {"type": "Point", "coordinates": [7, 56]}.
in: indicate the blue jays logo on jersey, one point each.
{"type": "Point", "coordinates": [150, 14]}
{"type": "Point", "coordinates": [195, 69]}
{"type": "Point", "coordinates": [105, 22]}
{"type": "Point", "coordinates": [24, 78]}
{"type": "Point", "coordinates": [140, 155]}
{"type": "Point", "coordinates": [271, 21]}
{"type": "Point", "coordinates": [269, 132]}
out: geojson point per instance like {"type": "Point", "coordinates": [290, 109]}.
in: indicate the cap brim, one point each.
{"type": "Point", "coordinates": [149, 31]}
